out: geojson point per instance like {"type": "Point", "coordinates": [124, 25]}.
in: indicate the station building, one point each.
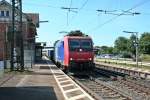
{"type": "Point", "coordinates": [30, 23]}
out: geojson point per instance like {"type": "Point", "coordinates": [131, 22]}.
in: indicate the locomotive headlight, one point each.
{"type": "Point", "coordinates": [71, 59]}
{"type": "Point", "coordinates": [90, 58]}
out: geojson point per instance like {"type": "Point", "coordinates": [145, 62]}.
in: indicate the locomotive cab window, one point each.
{"type": "Point", "coordinates": [86, 45]}
{"type": "Point", "coordinates": [74, 45]}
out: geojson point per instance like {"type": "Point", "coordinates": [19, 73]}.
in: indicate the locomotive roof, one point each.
{"type": "Point", "coordinates": [78, 37]}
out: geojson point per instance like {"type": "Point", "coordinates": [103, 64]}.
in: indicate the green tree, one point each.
{"type": "Point", "coordinates": [131, 45]}
{"type": "Point", "coordinates": [121, 44]}
{"type": "Point", "coordinates": [106, 50]}
{"type": "Point", "coordinates": [103, 49]}
{"type": "Point", "coordinates": [145, 43]}
{"type": "Point", "coordinates": [110, 50]}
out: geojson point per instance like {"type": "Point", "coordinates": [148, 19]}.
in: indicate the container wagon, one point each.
{"type": "Point", "coordinates": [51, 54]}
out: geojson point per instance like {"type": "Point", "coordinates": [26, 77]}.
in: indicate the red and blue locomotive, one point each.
{"type": "Point", "coordinates": [74, 53]}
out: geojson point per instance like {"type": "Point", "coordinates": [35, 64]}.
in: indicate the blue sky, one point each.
{"type": "Point", "coordinates": [88, 20]}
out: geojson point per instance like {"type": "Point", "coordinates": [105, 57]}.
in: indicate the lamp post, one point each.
{"type": "Point", "coordinates": [136, 45]}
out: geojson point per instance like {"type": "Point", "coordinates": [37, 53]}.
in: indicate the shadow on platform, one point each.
{"type": "Point", "coordinates": [44, 62]}
{"type": "Point", "coordinates": [27, 93]}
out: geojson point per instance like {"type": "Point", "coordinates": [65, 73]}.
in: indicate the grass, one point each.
{"type": "Point", "coordinates": [145, 57]}
{"type": "Point", "coordinates": [109, 61]}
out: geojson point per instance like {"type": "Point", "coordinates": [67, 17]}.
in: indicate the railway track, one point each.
{"type": "Point", "coordinates": [136, 88]}
{"type": "Point", "coordinates": [101, 89]}
{"type": "Point", "coordinates": [109, 85]}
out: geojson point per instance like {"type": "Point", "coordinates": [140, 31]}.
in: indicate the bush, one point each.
{"type": "Point", "coordinates": [126, 55]}
{"type": "Point", "coordinates": [145, 57]}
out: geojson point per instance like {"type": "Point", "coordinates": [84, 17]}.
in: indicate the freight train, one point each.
{"type": "Point", "coordinates": [51, 55]}
{"type": "Point", "coordinates": [74, 53]}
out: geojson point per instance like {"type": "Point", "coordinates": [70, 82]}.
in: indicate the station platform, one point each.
{"type": "Point", "coordinates": [36, 84]}
{"type": "Point", "coordinates": [43, 82]}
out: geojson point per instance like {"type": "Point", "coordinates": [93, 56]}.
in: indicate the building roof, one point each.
{"type": "Point", "coordinates": [4, 2]}
{"type": "Point", "coordinates": [7, 4]}
{"type": "Point", "coordinates": [33, 17]}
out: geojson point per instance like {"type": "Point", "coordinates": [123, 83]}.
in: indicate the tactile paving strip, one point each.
{"type": "Point", "coordinates": [69, 88]}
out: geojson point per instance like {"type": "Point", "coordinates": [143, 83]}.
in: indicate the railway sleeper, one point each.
{"type": "Point", "coordinates": [141, 84]}
{"type": "Point", "coordinates": [138, 88]}
{"type": "Point", "coordinates": [114, 97]}
{"type": "Point", "coordinates": [131, 92]}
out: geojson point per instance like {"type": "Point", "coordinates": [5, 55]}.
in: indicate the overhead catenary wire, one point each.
{"type": "Point", "coordinates": [67, 18]}
{"type": "Point", "coordinates": [87, 10]}
{"type": "Point", "coordinates": [59, 7]}
{"type": "Point", "coordinates": [112, 19]}
{"type": "Point", "coordinates": [70, 3]}
{"type": "Point", "coordinates": [82, 6]}
{"type": "Point", "coordinates": [68, 12]}
{"type": "Point", "coordinates": [114, 12]}
{"type": "Point", "coordinates": [43, 5]}
{"type": "Point", "coordinates": [69, 9]}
